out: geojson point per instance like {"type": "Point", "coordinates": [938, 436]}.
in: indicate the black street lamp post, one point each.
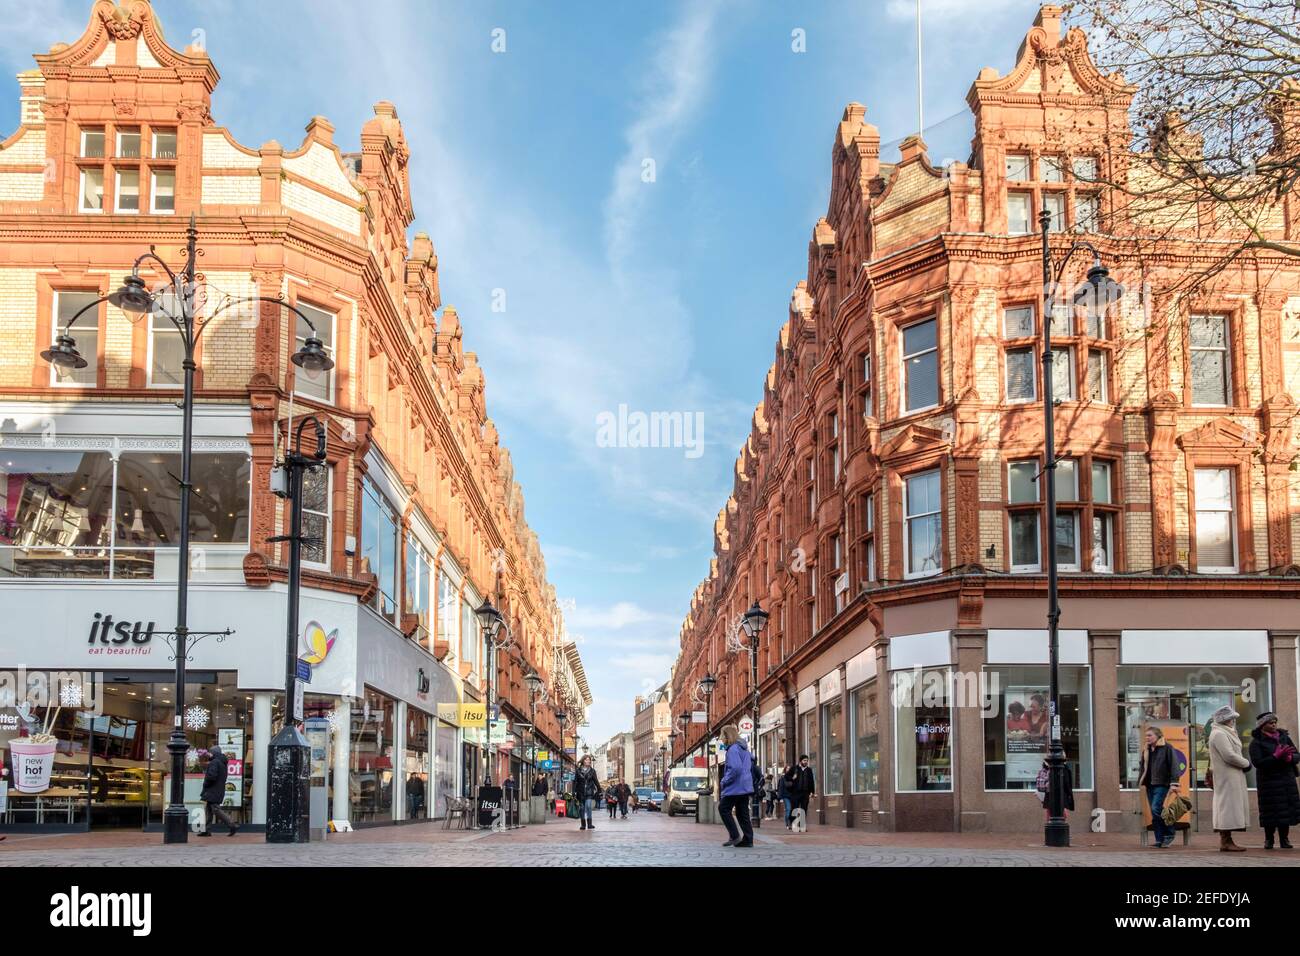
{"type": "Point", "coordinates": [289, 783]}
{"type": "Point", "coordinates": [490, 620]}
{"type": "Point", "coordinates": [1097, 294]}
{"type": "Point", "coordinates": [561, 716]}
{"type": "Point", "coordinates": [135, 299]}
{"type": "Point", "coordinates": [707, 683]}
{"type": "Point", "coordinates": [533, 681]}
{"type": "Point", "coordinates": [753, 623]}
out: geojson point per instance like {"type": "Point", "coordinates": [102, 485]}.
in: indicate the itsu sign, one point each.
{"type": "Point", "coordinates": [120, 637]}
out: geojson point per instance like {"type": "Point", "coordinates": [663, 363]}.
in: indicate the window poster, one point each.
{"type": "Point", "coordinates": [1027, 729]}
{"type": "Point", "coordinates": [231, 742]}
{"type": "Point", "coordinates": [1141, 704]}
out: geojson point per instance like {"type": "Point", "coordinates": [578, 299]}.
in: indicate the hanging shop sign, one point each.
{"type": "Point", "coordinates": [449, 714]}
{"type": "Point", "coordinates": [473, 715]}
{"type": "Point", "coordinates": [699, 717]}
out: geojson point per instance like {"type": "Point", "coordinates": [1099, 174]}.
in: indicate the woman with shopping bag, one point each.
{"type": "Point", "coordinates": [1229, 766]}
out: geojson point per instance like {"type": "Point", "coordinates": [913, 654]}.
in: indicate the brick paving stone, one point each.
{"type": "Point", "coordinates": [642, 840]}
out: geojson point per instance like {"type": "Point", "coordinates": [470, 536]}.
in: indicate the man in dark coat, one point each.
{"type": "Point", "coordinates": [586, 790]}
{"type": "Point", "coordinates": [1275, 758]}
{"type": "Point", "coordinates": [802, 785]}
{"type": "Point", "coordinates": [214, 792]}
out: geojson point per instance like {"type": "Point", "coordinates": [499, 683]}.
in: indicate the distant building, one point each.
{"type": "Point", "coordinates": [652, 724]}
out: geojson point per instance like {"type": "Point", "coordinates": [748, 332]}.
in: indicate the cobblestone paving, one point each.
{"type": "Point", "coordinates": [644, 840]}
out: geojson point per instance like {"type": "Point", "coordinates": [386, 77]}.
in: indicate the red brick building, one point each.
{"type": "Point", "coordinates": [417, 516]}
{"type": "Point", "coordinates": [887, 510]}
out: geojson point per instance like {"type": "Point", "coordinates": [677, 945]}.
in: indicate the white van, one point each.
{"type": "Point", "coordinates": [684, 784]}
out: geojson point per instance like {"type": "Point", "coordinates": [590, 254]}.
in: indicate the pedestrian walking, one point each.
{"type": "Point", "coordinates": [213, 793]}
{"type": "Point", "coordinates": [1158, 772]}
{"type": "Point", "coordinates": [624, 793]}
{"type": "Point", "coordinates": [803, 786]}
{"type": "Point", "coordinates": [769, 797]}
{"type": "Point", "coordinates": [1275, 757]}
{"type": "Point", "coordinates": [737, 788]}
{"type": "Point", "coordinates": [540, 786]}
{"type": "Point", "coordinates": [611, 799]}
{"type": "Point", "coordinates": [586, 790]}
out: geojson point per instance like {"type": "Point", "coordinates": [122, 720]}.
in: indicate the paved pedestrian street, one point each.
{"type": "Point", "coordinates": [644, 839]}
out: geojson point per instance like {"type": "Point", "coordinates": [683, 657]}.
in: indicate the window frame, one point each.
{"type": "Point", "coordinates": [118, 173]}
{"type": "Point", "coordinates": [81, 191]}
{"type": "Point", "coordinates": [1234, 515]}
{"type": "Point", "coordinates": [908, 517]}
{"type": "Point", "coordinates": [150, 333]}
{"type": "Point", "coordinates": [904, 356]}
{"type": "Point", "coordinates": [1229, 396]}
{"type": "Point", "coordinates": [94, 364]}
{"type": "Point", "coordinates": [330, 349]}
{"type": "Point", "coordinates": [329, 521]}
{"type": "Point", "coordinates": [103, 149]}
{"type": "Point", "coordinates": [154, 173]}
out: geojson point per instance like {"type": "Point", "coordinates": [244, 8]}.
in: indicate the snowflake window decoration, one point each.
{"type": "Point", "coordinates": [196, 717]}
{"type": "Point", "coordinates": [70, 694]}
{"type": "Point", "coordinates": [332, 718]}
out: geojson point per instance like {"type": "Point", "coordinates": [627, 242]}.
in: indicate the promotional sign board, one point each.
{"type": "Point", "coordinates": [231, 742]}
{"type": "Point", "coordinates": [1177, 736]}
{"type": "Point", "coordinates": [489, 801]}
{"type": "Point", "coordinates": [473, 715]}
{"type": "Point", "coordinates": [1026, 724]}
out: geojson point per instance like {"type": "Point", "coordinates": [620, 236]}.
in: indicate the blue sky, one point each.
{"type": "Point", "coordinates": [528, 173]}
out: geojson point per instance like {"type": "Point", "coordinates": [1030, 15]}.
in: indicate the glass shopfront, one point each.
{"type": "Point", "coordinates": [865, 735]}
{"type": "Point", "coordinates": [111, 767]}
{"type": "Point", "coordinates": [374, 724]}
{"type": "Point", "coordinates": [923, 730]}
{"type": "Point", "coordinates": [833, 736]}
{"type": "Point", "coordinates": [1188, 695]}
{"type": "Point", "coordinates": [1016, 730]}
{"type": "Point", "coordinates": [444, 768]}
{"type": "Point", "coordinates": [415, 765]}
{"type": "Point", "coordinates": [86, 514]}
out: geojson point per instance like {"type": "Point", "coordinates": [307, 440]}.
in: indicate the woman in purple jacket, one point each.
{"type": "Point", "coordinates": [737, 788]}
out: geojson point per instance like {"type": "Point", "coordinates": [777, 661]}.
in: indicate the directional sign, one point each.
{"type": "Point", "coordinates": [304, 672]}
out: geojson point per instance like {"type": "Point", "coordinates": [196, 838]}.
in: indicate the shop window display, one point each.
{"type": "Point", "coordinates": [923, 730]}
{"type": "Point", "coordinates": [1016, 726]}
{"type": "Point", "coordinates": [373, 736]}
{"type": "Point", "coordinates": [1187, 695]}
{"type": "Point", "coordinates": [415, 764]}
{"type": "Point", "coordinates": [833, 738]}
{"type": "Point", "coordinates": [865, 735]}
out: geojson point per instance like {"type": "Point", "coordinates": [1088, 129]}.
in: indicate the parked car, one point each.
{"type": "Point", "coordinates": [656, 800]}
{"type": "Point", "coordinates": [684, 785]}
{"type": "Point", "coordinates": [641, 798]}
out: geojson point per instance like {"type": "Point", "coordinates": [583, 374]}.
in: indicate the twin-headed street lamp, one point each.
{"type": "Point", "coordinates": [1097, 294]}
{"type": "Point", "coordinates": [135, 299]}
{"type": "Point", "coordinates": [490, 620]}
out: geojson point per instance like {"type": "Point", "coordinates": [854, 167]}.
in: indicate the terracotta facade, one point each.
{"type": "Point", "coordinates": [886, 508]}
{"type": "Point", "coordinates": [116, 151]}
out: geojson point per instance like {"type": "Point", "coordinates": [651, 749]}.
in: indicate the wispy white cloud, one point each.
{"type": "Point", "coordinates": [676, 83]}
{"type": "Point", "coordinates": [615, 617]}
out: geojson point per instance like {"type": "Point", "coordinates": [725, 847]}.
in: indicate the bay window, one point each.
{"type": "Point", "coordinates": [920, 365]}
{"type": "Point", "coordinates": [379, 547]}
{"type": "Point", "coordinates": [922, 524]}
{"type": "Point", "coordinates": [316, 516]}
{"type": "Point", "coordinates": [315, 384]}
{"type": "Point", "coordinates": [1022, 489]}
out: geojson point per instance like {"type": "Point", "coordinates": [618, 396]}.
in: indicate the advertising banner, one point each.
{"type": "Point", "coordinates": [1026, 725]}
{"type": "Point", "coordinates": [1141, 704]}
{"type": "Point", "coordinates": [231, 742]}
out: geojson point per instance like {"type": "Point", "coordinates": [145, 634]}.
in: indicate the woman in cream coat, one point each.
{"type": "Point", "coordinates": [1229, 766]}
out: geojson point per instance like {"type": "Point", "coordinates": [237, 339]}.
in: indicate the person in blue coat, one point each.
{"type": "Point", "coordinates": [737, 788]}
